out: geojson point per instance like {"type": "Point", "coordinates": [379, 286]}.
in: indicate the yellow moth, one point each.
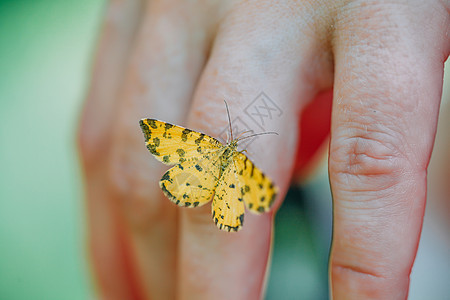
{"type": "Point", "coordinates": [206, 169]}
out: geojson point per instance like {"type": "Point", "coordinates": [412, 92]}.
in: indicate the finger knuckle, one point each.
{"type": "Point", "coordinates": [90, 148]}
{"type": "Point", "coordinates": [367, 282]}
{"type": "Point", "coordinates": [369, 153]}
{"type": "Point", "coordinates": [133, 184]}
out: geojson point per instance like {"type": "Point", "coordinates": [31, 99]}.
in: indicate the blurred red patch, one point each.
{"type": "Point", "coordinates": [314, 130]}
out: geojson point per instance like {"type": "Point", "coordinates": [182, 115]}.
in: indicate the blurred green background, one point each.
{"type": "Point", "coordinates": [45, 52]}
{"type": "Point", "coordinates": [45, 48]}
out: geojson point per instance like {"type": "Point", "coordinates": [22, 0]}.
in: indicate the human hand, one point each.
{"type": "Point", "coordinates": [177, 61]}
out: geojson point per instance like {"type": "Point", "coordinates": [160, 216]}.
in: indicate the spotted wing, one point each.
{"type": "Point", "coordinates": [227, 206]}
{"type": "Point", "coordinates": [173, 144]}
{"type": "Point", "coordinates": [192, 183]}
{"type": "Point", "coordinates": [257, 190]}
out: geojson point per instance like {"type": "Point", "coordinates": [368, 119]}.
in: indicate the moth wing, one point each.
{"type": "Point", "coordinates": [257, 190]}
{"type": "Point", "coordinates": [192, 183]}
{"type": "Point", "coordinates": [173, 144]}
{"type": "Point", "coordinates": [227, 206]}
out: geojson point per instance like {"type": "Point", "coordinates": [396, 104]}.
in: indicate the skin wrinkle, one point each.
{"type": "Point", "coordinates": [367, 136]}
{"type": "Point", "coordinates": [368, 154]}
{"type": "Point", "coordinates": [363, 146]}
{"type": "Point", "coordinates": [382, 272]}
{"type": "Point", "coordinates": [363, 155]}
{"type": "Point", "coordinates": [361, 200]}
{"type": "Point", "coordinates": [386, 187]}
{"type": "Point", "coordinates": [356, 214]}
{"type": "Point", "coordinates": [400, 210]}
{"type": "Point", "coordinates": [381, 124]}
{"type": "Point", "coordinates": [367, 227]}
{"type": "Point", "coordinates": [379, 268]}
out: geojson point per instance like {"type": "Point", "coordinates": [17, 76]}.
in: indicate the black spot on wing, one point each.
{"type": "Point", "coordinates": [156, 141]}
{"type": "Point", "coordinates": [196, 203]}
{"type": "Point", "coordinates": [152, 124]}
{"type": "Point", "coordinates": [241, 219]}
{"type": "Point", "coordinates": [261, 209]}
{"type": "Point", "coordinates": [184, 134]}
{"type": "Point", "coordinates": [181, 152]}
{"type": "Point", "coordinates": [152, 149]}
{"type": "Point", "coordinates": [197, 166]}
{"type": "Point", "coordinates": [166, 177]}
{"type": "Point", "coordinates": [146, 130]}
{"type": "Point", "coordinates": [167, 193]}
{"type": "Point", "coordinates": [232, 186]}
{"type": "Point", "coordinates": [245, 162]}
{"type": "Point", "coordinates": [200, 138]}
{"type": "Point", "coordinates": [230, 228]}
{"type": "Point", "coordinates": [187, 204]}
{"type": "Point", "coordinates": [166, 159]}
{"type": "Point", "coordinates": [168, 126]}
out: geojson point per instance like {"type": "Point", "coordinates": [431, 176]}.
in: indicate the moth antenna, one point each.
{"type": "Point", "coordinates": [242, 133]}
{"type": "Point", "coordinates": [252, 135]}
{"type": "Point", "coordinates": [229, 119]}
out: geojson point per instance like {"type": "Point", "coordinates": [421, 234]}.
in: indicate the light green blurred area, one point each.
{"type": "Point", "coordinates": [45, 48]}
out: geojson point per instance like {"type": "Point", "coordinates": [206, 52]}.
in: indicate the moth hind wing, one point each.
{"type": "Point", "coordinates": [256, 188]}
{"type": "Point", "coordinates": [228, 206]}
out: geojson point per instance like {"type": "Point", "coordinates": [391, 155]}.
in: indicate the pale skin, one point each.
{"type": "Point", "coordinates": [177, 60]}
